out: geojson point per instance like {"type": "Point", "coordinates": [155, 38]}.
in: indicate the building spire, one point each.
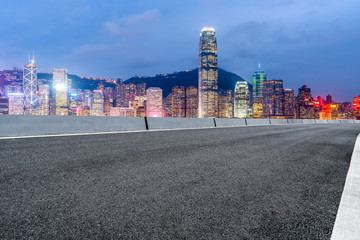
{"type": "Point", "coordinates": [259, 65]}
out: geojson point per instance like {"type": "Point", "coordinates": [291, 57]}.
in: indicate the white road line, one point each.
{"type": "Point", "coordinates": [125, 131]}
{"type": "Point", "coordinates": [347, 223]}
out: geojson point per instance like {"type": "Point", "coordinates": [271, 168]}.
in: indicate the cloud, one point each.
{"type": "Point", "coordinates": [131, 25]}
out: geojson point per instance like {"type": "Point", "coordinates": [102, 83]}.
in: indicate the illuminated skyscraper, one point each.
{"type": "Point", "coordinates": [226, 104]}
{"type": "Point", "coordinates": [30, 85]}
{"type": "Point", "coordinates": [4, 105]}
{"type": "Point", "coordinates": [289, 103]}
{"type": "Point", "coordinates": [97, 107]}
{"type": "Point", "coordinates": [273, 98]}
{"type": "Point", "coordinates": [208, 74]}
{"type": "Point", "coordinates": [154, 104]}
{"type": "Point", "coordinates": [60, 81]}
{"type": "Point", "coordinates": [191, 102]}
{"type": "Point", "coordinates": [168, 105]}
{"type": "Point", "coordinates": [259, 77]}
{"type": "Point", "coordinates": [44, 95]}
{"type": "Point", "coordinates": [305, 105]}
{"type": "Point", "coordinates": [178, 102]}
{"type": "Point", "coordinates": [241, 100]}
{"type": "Point", "coordinates": [141, 89]}
{"type": "Point", "coordinates": [16, 104]}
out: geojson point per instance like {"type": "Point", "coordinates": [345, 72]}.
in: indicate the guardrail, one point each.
{"type": "Point", "coordinates": [21, 125]}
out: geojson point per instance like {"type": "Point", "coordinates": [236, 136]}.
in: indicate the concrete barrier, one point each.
{"type": "Point", "coordinates": [347, 121]}
{"type": "Point", "coordinates": [308, 121]}
{"type": "Point", "coordinates": [258, 121]}
{"type": "Point", "coordinates": [20, 125]}
{"type": "Point", "coordinates": [227, 122]}
{"type": "Point", "coordinates": [334, 121]}
{"type": "Point", "coordinates": [172, 123]}
{"type": "Point", "coordinates": [321, 121]}
{"type": "Point", "coordinates": [295, 121]}
{"type": "Point", "coordinates": [357, 121]}
{"type": "Point", "coordinates": [278, 121]}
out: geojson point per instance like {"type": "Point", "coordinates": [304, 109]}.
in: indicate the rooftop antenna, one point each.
{"type": "Point", "coordinates": [259, 65]}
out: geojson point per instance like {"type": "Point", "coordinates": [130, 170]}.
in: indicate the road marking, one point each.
{"type": "Point", "coordinates": [347, 223]}
{"type": "Point", "coordinates": [119, 132]}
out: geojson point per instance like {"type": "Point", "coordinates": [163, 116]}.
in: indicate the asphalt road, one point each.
{"type": "Point", "coordinates": [266, 182]}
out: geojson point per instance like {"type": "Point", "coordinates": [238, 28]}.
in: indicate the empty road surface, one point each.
{"type": "Point", "coordinates": [265, 182]}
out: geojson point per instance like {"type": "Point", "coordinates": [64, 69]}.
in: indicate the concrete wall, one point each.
{"type": "Point", "coordinates": [347, 121]}
{"type": "Point", "coordinates": [294, 121]}
{"type": "Point", "coordinates": [20, 125]}
{"type": "Point", "coordinates": [258, 121]}
{"type": "Point", "coordinates": [321, 121]}
{"type": "Point", "coordinates": [334, 121]}
{"type": "Point", "coordinates": [357, 121]}
{"type": "Point", "coordinates": [171, 123]}
{"type": "Point", "coordinates": [308, 121]}
{"type": "Point", "coordinates": [227, 122]}
{"type": "Point", "coordinates": [278, 121]}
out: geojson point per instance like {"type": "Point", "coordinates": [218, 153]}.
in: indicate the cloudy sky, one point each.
{"type": "Point", "coordinates": [312, 42]}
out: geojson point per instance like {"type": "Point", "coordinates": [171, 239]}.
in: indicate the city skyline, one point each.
{"type": "Point", "coordinates": [300, 42]}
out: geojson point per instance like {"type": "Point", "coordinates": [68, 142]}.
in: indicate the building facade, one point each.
{"type": "Point", "coordinates": [273, 99]}
{"type": "Point", "coordinates": [61, 87]}
{"type": "Point", "coordinates": [242, 100]}
{"type": "Point", "coordinates": [208, 74]}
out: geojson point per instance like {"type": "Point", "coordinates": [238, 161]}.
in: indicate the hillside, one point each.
{"type": "Point", "coordinates": [227, 80]}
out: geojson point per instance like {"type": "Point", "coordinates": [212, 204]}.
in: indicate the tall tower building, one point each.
{"type": "Point", "coordinates": [259, 77]}
{"type": "Point", "coordinates": [208, 74]}
{"type": "Point", "coordinates": [61, 85]}
{"type": "Point", "coordinates": [30, 85]}
{"type": "Point", "coordinates": [44, 95]}
{"type": "Point", "coordinates": [241, 100]}
{"type": "Point", "coordinates": [273, 98]}
{"type": "Point", "coordinates": [154, 104]}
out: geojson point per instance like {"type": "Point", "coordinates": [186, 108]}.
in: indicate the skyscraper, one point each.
{"type": "Point", "coordinates": [241, 100]}
{"type": "Point", "coordinates": [191, 102]}
{"type": "Point", "coordinates": [226, 104]}
{"type": "Point", "coordinates": [30, 85]}
{"type": "Point", "coordinates": [154, 104]}
{"type": "Point", "coordinates": [289, 103]}
{"type": "Point", "coordinates": [97, 106]}
{"type": "Point", "coordinates": [60, 82]}
{"type": "Point", "coordinates": [16, 104]}
{"type": "Point", "coordinates": [273, 98]}
{"type": "Point", "coordinates": [44, 95]}
{"type": "Point", "coordinates": [4, 105]}
{"type": "Point", "coordinates": [208, 74]}
{"type": "Point", "coordinates": [305, 105]}
{"type": "Point", "coordinates": [259, 77]}
{"type": "Point", "coordinates": [178, 102]}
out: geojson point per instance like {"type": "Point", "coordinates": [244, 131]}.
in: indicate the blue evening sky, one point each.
{"type": "Point", "coordinates": [312, 42]}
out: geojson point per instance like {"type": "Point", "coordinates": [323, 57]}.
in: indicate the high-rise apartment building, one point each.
{"type": "Point", "coordinates": [167, 105]}
{"type": "Point", "coordinates": [273, 98]}
{"type": "Point", "coordinates": [242, 100]}
{"type": "Point", "coordinates": [154, 104]}
{"type": "Point", "coordinates": [16, 103]}
{"type": "Point", "coordinates": [97, 107]}
{"type": "Point", "coordinates": [4, 105]}
{"type": "Point", "coordinates": [289, 103]}
{"type": "Point", "coordinates": [44, 96]}
{"type": "Point", "coordinates": [60, 82]}
{"type": "Point", "coordinates": [208, 74]}
{"type": "Point", "coordinates": [30, 85]}
{"type": "Point", "coordinates": [191, 102]}
{"type": "Point", "coordinates": [226, 104]}
{"type": "Point", "coordinates": [178, 102]}
{"type": "Point", "coordinates": [305, 105]}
